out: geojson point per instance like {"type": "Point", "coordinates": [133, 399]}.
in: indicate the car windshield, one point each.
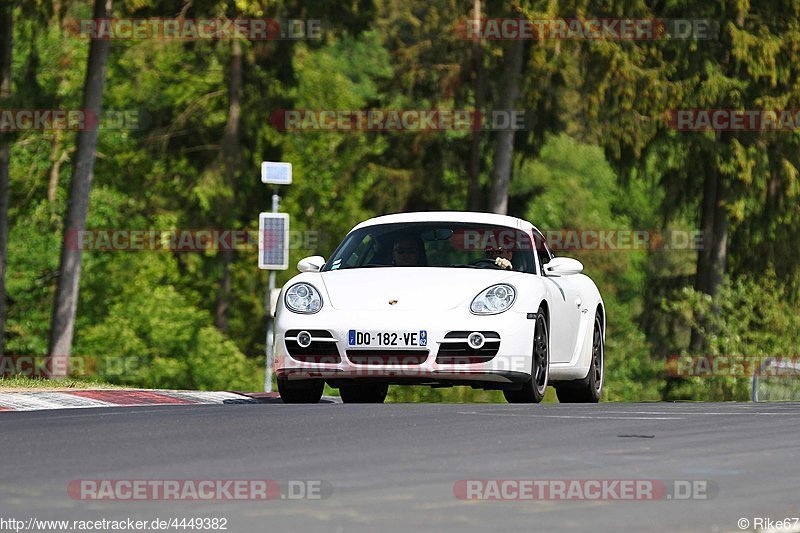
{"type": "Point", "coordinates": [439, 244]}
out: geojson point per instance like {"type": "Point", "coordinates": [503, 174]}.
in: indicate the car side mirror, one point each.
{"type": "Point", "coordinates": [563, 266]}
{"type": "Point", "coordinates": [311, 264]}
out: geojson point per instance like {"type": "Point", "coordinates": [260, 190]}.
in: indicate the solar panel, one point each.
{"type": "Point", "coordinates": [276, 173]}
{"type": "Point", "coordinates": [273, 242]}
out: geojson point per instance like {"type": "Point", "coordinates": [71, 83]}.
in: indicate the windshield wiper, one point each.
{"type": "Point", "coordinates": [362, 266]}
{"type": "Point", "coordinates": [494, 267]}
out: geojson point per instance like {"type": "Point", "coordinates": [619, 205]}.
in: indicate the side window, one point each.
{"type": "Point", "coordinates": [542, 251]}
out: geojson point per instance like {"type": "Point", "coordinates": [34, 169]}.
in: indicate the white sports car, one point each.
{"type": "Point", "coordinates": [440, 299]}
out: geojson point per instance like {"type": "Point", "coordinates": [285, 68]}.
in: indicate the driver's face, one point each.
{"type": "Point", "coordinates": [406, 253]}
{"type": "Point", "coordinates": [493, 253]}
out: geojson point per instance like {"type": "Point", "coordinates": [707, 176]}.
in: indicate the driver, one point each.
{"type": "Point", "coordinates": [502, 256]}
{"type": "Point", "coordinates": [407, 252]}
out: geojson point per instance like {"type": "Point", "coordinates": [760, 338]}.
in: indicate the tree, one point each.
{"type": "Point", "coordinates": [66, 300]}
{"type": "Point", "coordinates": [504, 151]}
{"type": "Point", "coordinates": [531, 79]}
{"type": "Point", "coordinates": [725, 177]}
{"type": "Point", "coordinates": [474, 202]}
{"type": "Point", "coordinates": [231, 159]}
{"type": "Point", "coordinates": [6, 44]}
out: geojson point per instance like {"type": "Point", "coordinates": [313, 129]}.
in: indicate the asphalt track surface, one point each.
{"type": "Point", "coordinates": [394, 467]}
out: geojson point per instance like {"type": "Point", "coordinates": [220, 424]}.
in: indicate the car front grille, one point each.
{"type": "Point", "coordinates": [454, 349]}
{"type": "Point", "coordinates": [388, 357]}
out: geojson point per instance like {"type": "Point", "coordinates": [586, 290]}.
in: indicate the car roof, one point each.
{"type": "Point", "coordinates": [449, 216]}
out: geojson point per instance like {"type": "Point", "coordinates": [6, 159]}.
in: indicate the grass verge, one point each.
{"type": "Point", "coordinates": [21, 383]}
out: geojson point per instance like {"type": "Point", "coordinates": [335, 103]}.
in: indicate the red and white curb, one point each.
{"type": "Point", "coordinates": [81, 399]}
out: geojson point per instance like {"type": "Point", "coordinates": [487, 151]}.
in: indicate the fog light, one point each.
{"type": "Point", "coordinates": [304, 339]}
{"type": "Point", "coordinates": [476, 340]}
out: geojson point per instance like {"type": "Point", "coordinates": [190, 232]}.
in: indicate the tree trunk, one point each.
{"type": "Point", "coordinates": [702, 275]}
{"type": "Point", "coordinates": [474, 202]}
{"type": "Point", "coordinates": [712, 259]}
{"type": "Point", "coordinates": [230, 155]}
{"type": "Point", "coordinates": [707, 227]}
{"type": "Point", "coordinates": [6, 45]}
{"type": "Point", "coordinates": [719, 244]}
{"type": "Point", "coordinates": [58, 156]}
{"type": "Point", "coordinates": [504, 153]}
{"type": "Point", "coordinates": [66, 302]}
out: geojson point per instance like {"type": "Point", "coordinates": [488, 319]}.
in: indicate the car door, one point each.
{"type": "Point", "coordinates": [565, 301]}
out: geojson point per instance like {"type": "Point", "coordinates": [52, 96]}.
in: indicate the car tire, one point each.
{"type": "Point", "coordinates": [305, 391]}
{"type": "Point", "coordinates": [533, 390]}
{"type": "Point", "coordinates": [590, 388]}
{"type": "Point", "coordinates": [364, 392]}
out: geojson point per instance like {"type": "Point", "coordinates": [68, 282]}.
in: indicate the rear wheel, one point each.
{"type": "Point", "coordinates": [302, 391]}
{"type": "Point", "coordinates": [533, 390]}
{"type": "Point", "coordinates": [364, 392]}
{"type": "Point", "coordinates": [590, 388]}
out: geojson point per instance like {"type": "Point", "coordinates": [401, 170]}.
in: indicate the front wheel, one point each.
{"type": "Point", "coordinates": [533, 390]}
{"type": "Point", "coordinates": [305, 391]}
{"type": "Point", "coordinates": [590, 388]}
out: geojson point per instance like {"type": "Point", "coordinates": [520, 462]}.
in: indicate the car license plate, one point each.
{"type": "Point", "coordinates": [387, 339]}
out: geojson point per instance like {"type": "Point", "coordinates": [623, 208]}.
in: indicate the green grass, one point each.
{"type": "Point", "coordinates": [18, 382]}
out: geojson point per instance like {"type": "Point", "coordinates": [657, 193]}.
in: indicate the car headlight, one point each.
{"type": "Point", "coordinates": [303, 298]}
{"type": "Point", "coordinates": [494, 300]}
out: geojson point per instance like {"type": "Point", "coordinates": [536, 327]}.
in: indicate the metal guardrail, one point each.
{"type": "Point", "coordinates": [776, 379]}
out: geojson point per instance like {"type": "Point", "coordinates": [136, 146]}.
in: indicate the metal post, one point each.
{"type": "Point", "coordinates": [276, 202]}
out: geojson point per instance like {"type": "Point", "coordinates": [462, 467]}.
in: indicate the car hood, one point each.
{"type": "Point", "coordinates": [413, 288]}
